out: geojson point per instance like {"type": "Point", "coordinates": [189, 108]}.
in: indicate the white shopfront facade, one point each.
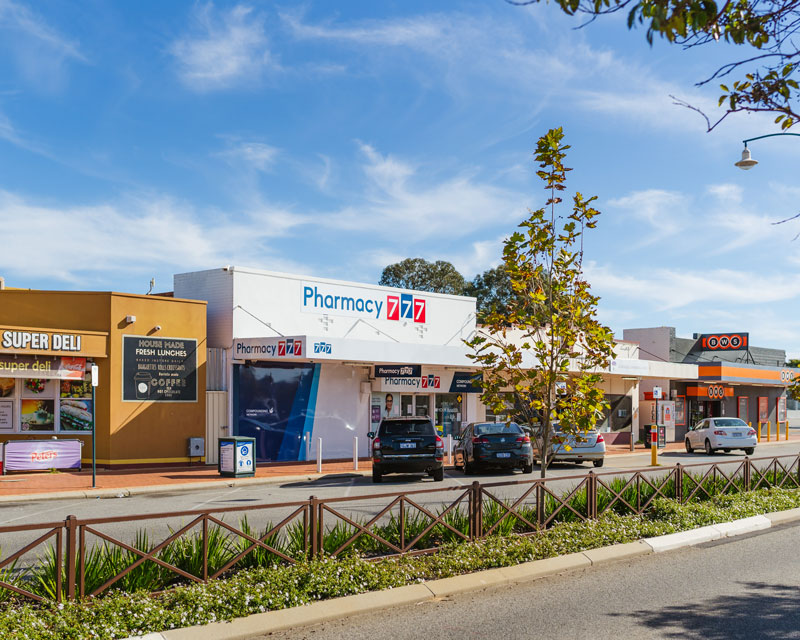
{"type": "Point", "coordinates": [312, 358]}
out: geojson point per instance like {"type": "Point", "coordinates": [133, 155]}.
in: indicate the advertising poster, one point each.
{"type": "Point", "coordinates": [763, 409]}
{"type": "Point", "coordinates": [37, 415]}
{"type": "Point", "coordinates": [7, 387]}
{"type": "Point", "coordinates": [782, 409]}
{"type": "Point", "coordinates": [6, 415]}
{"type": "Point", "coordinates": [680, 410]}
{"type": "Point", "coordinates": [66, 368]}
{"type": "Point", "coordinates": [743, 409]}
{"type": "Point", "coordinates": [274, 403]}
{"type": "Point", "coordinates": [159, 369]}
{"type": "Point", "coordinates": [41, 455]}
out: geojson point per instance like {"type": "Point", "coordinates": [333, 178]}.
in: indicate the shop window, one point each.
{"type": "Point", "coordinates": [75, 405]}
{"type": "Point", "coordinates": [618, 416]}
{"type": "Point", "coordinates": [37, 405]}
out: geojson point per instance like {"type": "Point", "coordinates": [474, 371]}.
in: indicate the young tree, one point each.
{"type": "Point", "coordinates": [545, 347]}
{"type": "Point", "coordinates": [766, 29]}
{"type": "Point", "coordinates": [417, 273]}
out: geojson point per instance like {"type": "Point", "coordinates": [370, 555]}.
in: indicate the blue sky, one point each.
{"type": "Point", "coordinates": [143, 139]}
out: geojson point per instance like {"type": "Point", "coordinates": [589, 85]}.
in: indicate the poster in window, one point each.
{"type": "Point", "coordinates": [763, 409]}
{"type": "Point", "coordinates": [7, 387]}
{"type": "Point", "coordinates": [76, 414]}
{"type": "Point", "coordinates": [743, 408]}
{"type": "Point", "coordinates": [680, 410]}
{"type": "Point", "coordinates": [76, 389]}
{"type": "Point", "coordinates": [6, 415]}
{"type": "Point", "coordinates": [159, 369]}
{"type": "Point", "coordinates": [37, 415]}
{"type": "Point", "coordinates": [782, 409]}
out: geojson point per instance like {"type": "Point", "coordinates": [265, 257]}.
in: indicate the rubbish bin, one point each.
{"type": "Point", "coordinates": [237, 457]}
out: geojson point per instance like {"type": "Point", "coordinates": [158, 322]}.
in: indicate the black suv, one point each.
{"type": "Point", "coordinates": [407, 445]}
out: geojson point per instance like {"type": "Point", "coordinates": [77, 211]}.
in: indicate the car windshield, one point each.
{"type": "Point", "coordinates": [729, 422]}
{"type": "Point", "coordinates": [406, 427]}
{"type": "Point", "coordinates": [490, 428]}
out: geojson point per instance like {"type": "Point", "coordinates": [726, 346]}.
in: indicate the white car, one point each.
{"type": "Point", "coordinates": [727, 434]}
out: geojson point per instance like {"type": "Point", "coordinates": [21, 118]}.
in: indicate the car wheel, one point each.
{"type": "Point", "coordinates": [376, 476]}
{"type": "Point", "coordinates": [708, 448]}
{"type": "Point", "coordinates": [438, 475]}
{"type": "Point", "coordinates": [750, 451]}
{"type": "Point", "coordinates": [689, 448]}
{"type": "Point", "coordinates": [527, 468]}
{"type": "Point", "coordinates": [598, 463]}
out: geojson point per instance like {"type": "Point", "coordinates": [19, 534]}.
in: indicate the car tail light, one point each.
{"type": "Point", "coordinates": [480, 440]}
{"type": "Point", "coordinates": [376, 444]}
{"type": "Point", "coordinates": [752, 432]}
{"type": "Point", "coordinates": [600, 438]}
{"type": "Point", "coordinates": [524, 439]}
{"type": "Point", "coordinates": [720, 433]}
{"type": "Point", "coordinates": [439, 448]}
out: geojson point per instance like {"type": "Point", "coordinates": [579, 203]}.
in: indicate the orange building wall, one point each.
{"type": "Point", "coordinates": [128, 433]}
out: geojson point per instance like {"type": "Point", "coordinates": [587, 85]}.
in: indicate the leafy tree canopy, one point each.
{"type": "Point", "coordinates": [419, 274]}
{"type": "Point", "coordinates": [763, 78]}
{"type": "Point", "coordinates": [546, 347]}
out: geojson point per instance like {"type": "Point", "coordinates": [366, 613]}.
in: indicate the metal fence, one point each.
{"type": "Point", "coordinates": [375, 525]}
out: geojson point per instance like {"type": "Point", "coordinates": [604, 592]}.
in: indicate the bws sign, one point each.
{"type": "Point", "coordinates": [724, 341]}
{"type": "Point", "coordinates": [355, 302]}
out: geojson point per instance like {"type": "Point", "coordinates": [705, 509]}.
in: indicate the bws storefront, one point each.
{"type": "Point", "coordinates": [305, 357]}
{"type": "Point", "coordinates": [750, 392]}
{"type": "Point", "coordinates": [150, 352]}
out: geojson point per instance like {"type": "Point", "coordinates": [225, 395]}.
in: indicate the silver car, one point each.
{"type": "Point", "coordinates": [727, 434]}
{"type": "Point", "coordinates": [578, 448]}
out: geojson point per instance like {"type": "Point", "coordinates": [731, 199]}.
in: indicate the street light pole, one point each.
{"type": "Point", "coordinates": [747, 161]}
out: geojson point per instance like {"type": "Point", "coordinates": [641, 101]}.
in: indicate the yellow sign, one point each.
{"type": "Point", "coordinates": [31, 341]}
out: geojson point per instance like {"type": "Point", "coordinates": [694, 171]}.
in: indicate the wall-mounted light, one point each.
{"type": "Point", "coordinates": [157, 327]}
{"type": "Point", "coordinates": [130, 319]}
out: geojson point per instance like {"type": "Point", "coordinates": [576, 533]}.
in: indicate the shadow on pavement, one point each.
{"type": "Point", "coordinates": [767, 611]}
{"type": "Point", "coordinates": [338, 479]}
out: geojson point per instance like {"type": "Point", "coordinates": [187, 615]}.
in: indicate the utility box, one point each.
{"type": "Point", "coordinates": [237, 457]}
{"type": "Point", "coordinates": [197, 447]}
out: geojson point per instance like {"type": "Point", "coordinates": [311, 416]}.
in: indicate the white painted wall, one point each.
{"type": "Point", "coordinates": [342, 411]}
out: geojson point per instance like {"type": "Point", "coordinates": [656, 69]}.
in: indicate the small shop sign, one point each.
{"type": "Point", "coordinates": [41, 455]}
{"type": "Point", "coordinates": [159, 369]}
{"type": "Point", "coordinates": [65, 368]}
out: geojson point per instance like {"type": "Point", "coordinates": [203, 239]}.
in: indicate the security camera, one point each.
{"type": "Point", "coordinates": [157, 327]}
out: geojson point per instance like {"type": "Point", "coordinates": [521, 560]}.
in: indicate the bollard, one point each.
{"type": "Point", "coordinates": [654, 447]}
{"type": "Point", "coordinates": [450, 449]}
{"type": "Point", "coordinates": [769, 428]}
{"type": "Point", "coordinates": [787, 429]}
{"type": "Point", "coordinates": [355, 453]}
{"type": "Point", "coordinates": [307, 438]}
{"type": "Point", "coordinates": [319, 455]}
{"type": "Point", "coordinates": [758, 433]}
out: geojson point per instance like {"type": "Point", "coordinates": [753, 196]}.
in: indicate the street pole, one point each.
{"type": "Point", "coordinates": [95, 381]}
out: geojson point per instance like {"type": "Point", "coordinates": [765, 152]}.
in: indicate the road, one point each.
{"type": "Point", "coordinates": [743, 587]}
{"type": "Point", "coordinates": [327, 487]}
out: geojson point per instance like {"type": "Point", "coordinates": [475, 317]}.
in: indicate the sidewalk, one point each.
{"type": "Point", "coordinates": [32, 486]}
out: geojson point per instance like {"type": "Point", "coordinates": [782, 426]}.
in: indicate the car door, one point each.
{"type": "Point", "coordinates": [693, 434]}
{"type": "Point", "coordinates": [701, 432]}
{"type": "Point", "coordinates": [461, 447]}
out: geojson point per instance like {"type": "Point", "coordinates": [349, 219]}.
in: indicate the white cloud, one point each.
{"type": "Point", "coordinates": [224, 49]}
{"type": "Point", "coordinates": [668, 289]}
{"type": "Point", "coordinates": [400, 199]}
{"type": "Point", "coordinates": [139, 235]}
{"type": "Point", "coordinates": [253, 155]}
{"type": "Point", "coordinates": [664, 211]}
{"type": "Point", "coordinates": [39, 51]}
{"type": "Point", "coordinates": [728, 194]}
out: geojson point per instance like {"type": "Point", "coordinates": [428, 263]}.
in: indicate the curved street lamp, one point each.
{"type": "Point", "coordinates": [747, 161]}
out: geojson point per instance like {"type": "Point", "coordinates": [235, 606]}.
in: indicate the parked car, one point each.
{"type": "Point", "coordinates": [493, 444]}
{"type": "Point", "coordinates": [407, 445]}
{"type": "Point", "coordinates": [721, 433]}
{"type": "Point", "coordinates": [578, 448]}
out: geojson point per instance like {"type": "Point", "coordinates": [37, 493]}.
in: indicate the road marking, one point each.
{"type": "Point", "coordinates": [39, 512]}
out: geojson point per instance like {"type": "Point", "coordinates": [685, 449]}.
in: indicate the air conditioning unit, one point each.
{"type": "Point", "coordinates": [197, 447]}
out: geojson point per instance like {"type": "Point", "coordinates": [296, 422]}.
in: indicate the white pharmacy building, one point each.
{"type": "Point", "coordinates": [301, 358]}
{"type": "Point", "coordinates": [310, 358]}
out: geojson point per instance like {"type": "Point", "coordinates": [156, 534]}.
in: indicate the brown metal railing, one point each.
{"type": "Point", "coordinates": [533, 506]}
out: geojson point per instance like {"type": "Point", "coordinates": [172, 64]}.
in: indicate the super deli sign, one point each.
{"type": "Point", "coordinates": [724, 341]}
{"type": "Point", "coordinates": [39, 341]}
{"type": "Point", "coordinates": [339, 300]}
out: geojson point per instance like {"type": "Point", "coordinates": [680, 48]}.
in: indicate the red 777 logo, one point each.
{"type": "Point", "coordinates": [282, 348]}
{"type": "Point", "coordinates": [419, 310]}
{"type": "Point", "coordinates": [392, 307]}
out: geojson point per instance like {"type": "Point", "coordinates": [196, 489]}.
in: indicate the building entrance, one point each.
{"type": "Point", "coordinates": [415, 405]}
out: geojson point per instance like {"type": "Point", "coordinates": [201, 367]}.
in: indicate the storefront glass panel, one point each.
{"type": "Point", "coordinates": [447, 416]}
{"type": "Point", "coordinates": [275, 403]}
{"type": "Point", "coordinates": [618, 416]}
